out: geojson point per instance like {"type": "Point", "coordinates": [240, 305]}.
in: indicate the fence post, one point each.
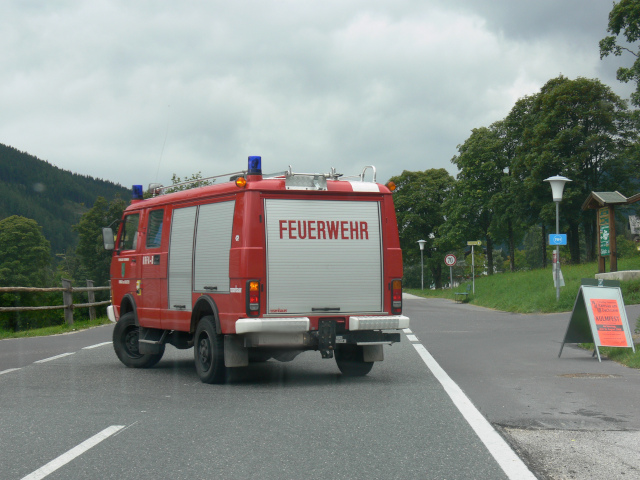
{"type": "Point", "coordinates": [67, 298]}
{"type": "Point", "coordinates": [92, 298]}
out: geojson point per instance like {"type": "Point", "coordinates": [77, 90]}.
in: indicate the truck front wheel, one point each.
{"type": "Point", "coordinates": [209, 352]}
{"type": "Point", "coordinates": [125, 342]}
{"type": "Point", "coordinates": [350, 360]}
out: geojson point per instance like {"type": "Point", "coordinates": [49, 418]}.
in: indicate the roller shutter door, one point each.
{"type": "Point", "coordinates": [213, 243]}
{"type": "Point", "coordinates": [323, 257]}
{"type": "Point", "coordinates": [180, 258]}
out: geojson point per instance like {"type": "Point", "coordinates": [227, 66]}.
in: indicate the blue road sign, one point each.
{"type": "Point", "coordinates": [558, 239]}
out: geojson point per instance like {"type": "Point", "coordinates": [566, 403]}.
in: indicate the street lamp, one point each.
{"type": "Point", "coordinates": [557, 187]}
{"type": "Point", "coordinates": [421, 243]}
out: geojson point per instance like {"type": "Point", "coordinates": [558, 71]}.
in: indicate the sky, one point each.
{"type": "Point", "coordinates": [134, 92]}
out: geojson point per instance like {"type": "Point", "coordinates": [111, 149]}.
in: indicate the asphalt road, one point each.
{"type": "Point", "coordinates": [568, 417]}
{"type": "Point", "coordinates": [274, 420]}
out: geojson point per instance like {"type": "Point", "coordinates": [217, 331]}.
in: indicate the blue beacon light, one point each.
{"type": "Point", "coordinates": [136, 192]}
{"type": "Point", "coordinates": [255, 165]}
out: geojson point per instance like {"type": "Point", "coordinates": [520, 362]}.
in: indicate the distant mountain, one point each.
{"type": "Point", "coordinates": [53, 197]}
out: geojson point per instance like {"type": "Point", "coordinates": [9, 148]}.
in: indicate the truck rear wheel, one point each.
{"type": "Point", "coordinates": [125, 343]}
{"type": "Point", "coordinates": [209, 352]}
{"type": "Point", "coordinates": [350, 361]}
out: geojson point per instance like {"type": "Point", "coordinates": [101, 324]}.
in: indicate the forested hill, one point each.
{"type": "Point", "coordinates": [53, 197]}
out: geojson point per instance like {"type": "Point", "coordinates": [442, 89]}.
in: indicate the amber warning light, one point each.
{"type": "Point", "coordinates": [253, 298]}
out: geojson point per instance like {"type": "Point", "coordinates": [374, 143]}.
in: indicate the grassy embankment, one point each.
{"type": "Point", "coordinates": [533, 292]}
{"type": "Point", "coordinates": [55, 330]}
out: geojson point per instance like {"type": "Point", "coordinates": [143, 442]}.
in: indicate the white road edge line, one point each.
{"type": "Point", "coordinates": [510, 463]}
{"type": "Point", "coordinates": [54, 358]}
{"type": "Point", "coordinates": [8, 370]}
{"type": "Point", "coordinates": [412, 338]}
{"type": "Point", "coordinates": [96, 345]}
{"type": "Point", "coordinates": [407, 330]}
{"type": "Point", "coordinates": [65, 458]}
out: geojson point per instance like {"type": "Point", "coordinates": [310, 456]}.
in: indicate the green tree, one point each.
{"type": "Point", "coordinates": [419, 200]}
{"type": "Point", "coordinates": [25, 255]}
{"type": "Point", "coordinates": [94, 259]}
{"type": "Point", "coordinates": [582, 130]}
{"type": "Point", "coordinates": [25, 261]}
{"type": "Point", "coordinates": [624, 19]}
{"type": "Point", "coordinates": [479, 192]}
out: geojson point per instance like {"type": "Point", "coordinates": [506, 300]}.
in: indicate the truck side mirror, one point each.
{"type": "Point", "coordinates": [107, 238]}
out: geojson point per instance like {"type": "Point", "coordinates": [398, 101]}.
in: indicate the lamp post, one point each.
{"type": "Point", "coordinates": [421, 243]}
{"type": "Point", "coordinates": [557, 187]}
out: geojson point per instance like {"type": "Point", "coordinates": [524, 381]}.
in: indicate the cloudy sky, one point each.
{"type": "Point", "coordinates": [133, 92]}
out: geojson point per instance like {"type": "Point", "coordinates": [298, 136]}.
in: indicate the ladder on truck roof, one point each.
{"type": "Point", "coordinates": [315, 181]}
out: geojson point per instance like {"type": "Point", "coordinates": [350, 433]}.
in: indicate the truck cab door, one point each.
{"type": "Point", "coordinates": [151, 286]}
{"type": "Point", "coordinates": [125, 275]}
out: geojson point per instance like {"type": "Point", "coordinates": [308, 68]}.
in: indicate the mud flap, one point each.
{"type": "Point", "coordinates": [373, 353]}
{"type": "Point", "coordinates": [235, 353]}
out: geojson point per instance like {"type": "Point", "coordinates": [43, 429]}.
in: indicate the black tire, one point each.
{"type": "Point", "coordinates": [125, 343]}
{"type": "Point", "coordinates": [208, 350]}
{"type": "Point", "coordinates": [350, 361]}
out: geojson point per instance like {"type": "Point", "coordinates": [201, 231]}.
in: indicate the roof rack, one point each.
{"type": "Point", "coordinates": [158, 189]}
{"type": "Point", "coordinates": [293, 181]}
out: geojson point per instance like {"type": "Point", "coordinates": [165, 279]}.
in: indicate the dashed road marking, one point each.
{"type": "Point", "coordinates": [65, 458]}
{"type": "Point", "coordinates": [412, 338]}
{"type": "Point", "coordinates": [54, 357]}
{"type": "Point", "coordinates": [96, 345]}
{"type": "Point", "coordinates": [8, 370]}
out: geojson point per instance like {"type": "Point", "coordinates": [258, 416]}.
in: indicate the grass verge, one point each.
{"type": "Point", "coordinates": [625, 356]}
{"type": "Point", "coordinates": [532, 291]}
{"type": "Point", "coordinates": [55, 330]}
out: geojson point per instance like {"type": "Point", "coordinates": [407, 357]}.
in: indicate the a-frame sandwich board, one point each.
{"type": "Point", "coordinates": [599, 317]}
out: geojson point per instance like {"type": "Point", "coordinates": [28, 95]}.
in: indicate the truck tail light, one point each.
{"type": "Point", "coordinates": [396, 297]}
{"type": "Point", "coordinates": [253, 298]}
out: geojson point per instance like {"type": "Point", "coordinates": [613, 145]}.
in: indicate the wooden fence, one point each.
{"type": "Point", "coordinates": [67, 298]}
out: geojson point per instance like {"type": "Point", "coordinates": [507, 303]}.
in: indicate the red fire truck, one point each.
{"type": "Point", "coordinates": [258, 267]}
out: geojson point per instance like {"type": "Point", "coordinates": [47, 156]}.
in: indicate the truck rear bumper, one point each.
{"type": "Point", "coordinates": [301, 324]}
{"type": "Point", "coordinates": [293, 334]}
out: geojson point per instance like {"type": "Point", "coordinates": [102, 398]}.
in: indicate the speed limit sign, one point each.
{"type": "Point", "coordinates": [450, 260]}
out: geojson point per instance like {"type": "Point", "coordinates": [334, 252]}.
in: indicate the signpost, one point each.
{"type": "Point", "coordinates": [557, 239]}
{"type": "Point", "coordinates": [473, 243]}
{"type": "Point", "coordinates": [450, 260]}
{"type": "Point", "coordinates": [599, 317]}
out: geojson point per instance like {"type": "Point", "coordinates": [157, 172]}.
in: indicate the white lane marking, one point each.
{"type": "Point", "coordinates": [65, 458]}
{"type": "Point", "coordinates": [54, 358]}
{"type": "Point", "coordinates": [510, 463]}
{"type": "Point", "coordinates": [8, 371]}
{"type": "Point", "coordinates": [96, 345]}
{"type": "Point", "coordinates": [407, 330]}
{"type": "Point", "coordinates": [412, 338]}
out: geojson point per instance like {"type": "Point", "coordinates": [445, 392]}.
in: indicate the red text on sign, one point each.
{"type": "Point", "coordinates": [323, 230]}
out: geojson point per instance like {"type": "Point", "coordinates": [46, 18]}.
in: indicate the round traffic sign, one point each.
{"type": "Point", "coordinates": [450, 260]}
